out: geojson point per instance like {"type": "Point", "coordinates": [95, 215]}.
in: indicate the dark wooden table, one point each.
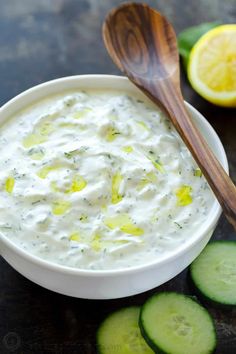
{"type": "Point", "coordinates": [43, 40]}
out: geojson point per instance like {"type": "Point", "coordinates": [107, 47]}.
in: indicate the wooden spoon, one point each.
{"type": "Point", "coordinates": [142, 43]}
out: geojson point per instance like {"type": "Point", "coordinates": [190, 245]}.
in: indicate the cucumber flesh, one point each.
{"type": "Point", "coordinates": [214, 272]}
{"type": "Point", "coordinates": [176, 324]}
{"type": "Point", "coordinates": [120, 334]}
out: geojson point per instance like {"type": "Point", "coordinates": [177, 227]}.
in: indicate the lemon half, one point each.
{"type": "Point", "coordinates": [212, 66]}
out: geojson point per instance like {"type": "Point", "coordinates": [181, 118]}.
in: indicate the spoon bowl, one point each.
{"type": "Point", "coordinates": [143, 44]}
{"type": "Point", "coordinates": [132, 28]}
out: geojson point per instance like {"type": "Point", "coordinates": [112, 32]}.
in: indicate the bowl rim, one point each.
{"type": "Point", "coordinates": [172, 255]}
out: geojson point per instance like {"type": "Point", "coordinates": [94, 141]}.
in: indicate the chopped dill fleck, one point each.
{"type": "Point", "coordinates": [68, 155]}
{"type": "Point", "coordinates": [6, 227]}
{"type": "Point", "coordinates": [36, 202]}
{"type": "Point", "coordinates": [178, 224]}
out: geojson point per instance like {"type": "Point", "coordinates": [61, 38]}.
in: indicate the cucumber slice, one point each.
{"type": "Point", "coordinates": [176, 324]}
{"type": "Point", "coordinates": [214, 272]}
{"type": "Point", "coordinates": [120, 334]}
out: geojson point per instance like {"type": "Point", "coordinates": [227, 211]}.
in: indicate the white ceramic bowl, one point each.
{"type": "Point", "coordinates": [107, 284]}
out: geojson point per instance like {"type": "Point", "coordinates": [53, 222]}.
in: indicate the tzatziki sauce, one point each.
{"type": "Point", "coordinates": [98, 180]}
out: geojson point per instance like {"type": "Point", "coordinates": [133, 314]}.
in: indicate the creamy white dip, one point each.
{"type": "Point", "coordinates": [98, 180]}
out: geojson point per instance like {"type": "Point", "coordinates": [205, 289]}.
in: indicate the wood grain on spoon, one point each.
{"type": "Point", "coordinates": [143, 44]}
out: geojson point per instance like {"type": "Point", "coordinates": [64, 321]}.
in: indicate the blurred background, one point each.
{"type": "Point", "coordinates": [46, 39]}
{"type": "Point", "coordinates": [42, 40]}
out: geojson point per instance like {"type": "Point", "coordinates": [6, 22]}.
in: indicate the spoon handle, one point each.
{"type": "Point", "coordinates": [221, 184]}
